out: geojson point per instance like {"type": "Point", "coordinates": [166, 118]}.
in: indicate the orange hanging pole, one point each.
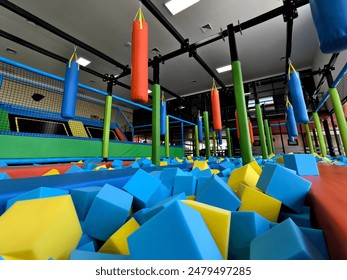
{"type": "Point", "coordinates": [215, 104]}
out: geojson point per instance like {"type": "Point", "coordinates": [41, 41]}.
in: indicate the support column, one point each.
{"type": "Point", "coordinates": [328, 137]}
{"type": "Point", "coordinates": [107, 125]}
{"type": "Point", "coordinates": [340, 116]}
{"type": "Point", "coordinates": [167, 137]}
{"type": "Point", "coordinates": [317, 123]}
{"type": "Point", "coordinates": [309, 138]}
{"type": "Point", "coordinates": [283, 148]}
{"type": "Point", "coordinates": [197, 151]}
{"type": "Point", "coordinates": [261, 130]}
{"type": "Point", "coordinates": [268, 136]}
{"type": "Point", "coordinates": [207, 135]}
{"type": "Point", "coordinates": [156, 114]}
{"type": "Point", "coordinates": [230, 152]}
{"type": "Point", "coordinates": [335, 133]}
{"type": "Point", "coordinates": [245, 140]}
{"type": "Point", "coordinates": [214, 143]}
{"type": "Point", "coordinates": [303, 138]}
{"type": "Point", "coordinates": [272, 140]}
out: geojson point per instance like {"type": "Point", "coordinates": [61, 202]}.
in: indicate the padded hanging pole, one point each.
{"type": "Point", "coordinates": [230, 152]}
{"type": "Point", "coordinates": [156, 115]}
{"type": "Point", "coordinates": [245, 141]}
{"type": "Point", "coordinates": [309, 138]}
{"type": "Point", "coordinates": [207, 135]}
{"type": "Point", "coordinates": [167, 137]}
{"type": "Point", "coordinates": [196, 136]}
{"type": "Point", "coordinates": [317, 123]}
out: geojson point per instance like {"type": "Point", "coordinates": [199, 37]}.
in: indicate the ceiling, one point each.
{"type": "Point", "coordinates": [106, 26]}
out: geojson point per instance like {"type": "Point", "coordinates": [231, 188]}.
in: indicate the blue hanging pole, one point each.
{"type": "Point", "coordinates": [200, 129]}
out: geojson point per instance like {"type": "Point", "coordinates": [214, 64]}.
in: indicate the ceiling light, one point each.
{"type": "Point", "coordinates": [82, 61]}
{"type": "Point", "coordinates": [176, 6]}
{"type": "Point", "coordinates": [181, 107]}
{"type": "Point", "coordinates": [224, 68]}
{"type": "Point", "coordinates": [149, 91]}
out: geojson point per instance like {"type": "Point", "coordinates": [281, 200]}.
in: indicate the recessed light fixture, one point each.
{"type": "Point", "coordinates": [127, 44]}
{"type": "Point", "coordinates": [205, 28]}
{"type": "Point", "coordinates": [82, 61]}
{"type": "Point", "coordinates": [31, 23]}
{"type": "Point", "coordinates": [224, 68]}
{"type": "Point", "coordinates": [155, 51]}
{"type": "Point", "coordinates": [92, 82]}
{"type": "Point", "coordinates": [194, 81]}
{"type": "Point", "coordinates": [176, 6]}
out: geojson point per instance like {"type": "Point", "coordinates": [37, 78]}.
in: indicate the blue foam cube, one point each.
{"type": "Point", "coordinates": [169, 174]}
{"type": "Point", "coordinates": [146, 189]}
{"type": "Point", "coordinates": [302, 219]}
{"type": "Point", "coordinates": [42, 192]}
{"type": "Point", "coordinates": [90, 246]}
{"type": "Point", "coordinates": [317, 238]}
{"type": "Point", "coordinates": [217, 193]}
{"type": "Point", "coordinates": [303, 164]}
{"type": "Point", "coordinates": [3, 163]}
{"type": "Point", "coordinates": [286, 241]}
{"type": "Point", "coordinates": [85, 239]}
{"type": "Point", "coordinates": [74, 169]}
{"type": "Point", "coordinates": [87, 255]}
{"type": "Point", "coordinates": [244, 227]}
{"type": "Point", "coordinates": [139, 216]}
{"type": "Point", "coordinates": [108, 212]}
{"type": "Point", "coordinates": [117, 164]}
{"type": "Point", "coordinates": [83, 199]}
{"type": "Point", "coordinates": [4, 176]}
{"type": "Point", "coordinates": [282, 184]}
{"type": "Point", "coordinates": [201, 173]}
{"type": "Point", "coordinates": [226, 165]}
{"type": "Point", "coordinates": [185, 184]}
{"type": "Point", "coordinates": [176, 233]}
{"type": "Point", "coordinates": [202, 181]}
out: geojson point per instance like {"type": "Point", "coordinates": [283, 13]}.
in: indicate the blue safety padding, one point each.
{"type": "Point", "coordinates": [244, 227]}
{"type": "Point", "coordinates": [217, 193]}
{"type": "Point", "coordinates": [83, 199]}
{"type": "Point", "coordinates": [285, 241]}
{"type": "Point", "coordinates": [87, 255]}
{"type": "Point", "coordinates": [297, 98]}
{"type": "Point", "coordinates": [283, 184]}
{"type": "Point", "coordinates": [162, 117]}
{"type": "Point", "coordinates": [108, 212]}
{"type": "Point", "coordinates": [176, 233]}
{"type": "Point", "coordinates": [330, 20]}
{"type": "Point", "coordinates": [70, 90]}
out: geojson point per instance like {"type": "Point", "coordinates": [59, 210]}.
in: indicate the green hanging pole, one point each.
{"type": "Point", "coordinates": [309, 138]}
{"type": "Point", "coordinates": [272, 140]}
{"type": "Point", "coordinates": [167, 137]}
{"type": "Point", "coordinates": [156, 124]}
{"type": "Point", "coordinates": [207, 135]}
{"type": "Point", "coordinates": [245, 139]}
{"type": "Point", "coordinates": [317, 123]}
{"type": "Point", "coordinates": [262, 137]}
{"type": "Point", "coordinates": [107, 125]}
{"type": "Point", "coordinates": [230, 152]}
{"type": "Point", "coordinates": [214, 143]}
{"type": "Point", "coordinates": [197, 150]}
{"type": "Point", "coordinates": [268, 136]}
{"type": "Point", "coordinates": [340, 116]}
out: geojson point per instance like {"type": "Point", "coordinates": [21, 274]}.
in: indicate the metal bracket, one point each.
{"type": "Point", "coordinates": [291, 11]}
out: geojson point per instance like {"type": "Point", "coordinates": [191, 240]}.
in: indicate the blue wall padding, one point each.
{"type": "Point", "coordinates": [217, 193]}
{"type": "Point", "coordinates": [317, 238]}
{"type": "Point", "coordinates": [200, 130]}
{"type": "Point", "coordinates": [283, 184]}
{"type": "Point", "coordinates": [36, 193]}
{"type": "Point", "coordinates": [297, 98]}
{"type": "Point", "coordinates": [87, 255]}
{"type": "Point", "coordinates": [303, 164]}
{"type": "Point", "coordinates": [330, 20]}
{"type": "Point", "coordinates": [244, 227]}
{"type": "Point", "coordinates": [291, 124]}
{"type": "Point", "coordinates": [302, 219]}
{"type": "Point", "coordinates": [220, 137]}
{"type": "Point", "coordinates": [162, 117]}
{"type": "Point", "coordinates": [68, 107]}
{"type": "Point", "coordinates": [146, 189]}
{"type": "Point", "coordinates": [286, 241]}
{"type": "Point", "coordinates": [83, 199]}
{"type": "Point", "coordinates": [185, 184]}
{"type": "Point", "coordinates": [108, 212]}
{"type": "Point", "coordinates": [151, 212]}
{"type": "Point", "coordinates": [176, 233]}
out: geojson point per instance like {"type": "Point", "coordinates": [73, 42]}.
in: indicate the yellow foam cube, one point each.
{"type": "Point", "coordinates": [318, 155]}
{"type": "Point", "coordinates": [202, 165]}
{"type": "Point", "coordinates": [38, 229]}
{"type": "Point", "coordinates": [99, 167]}
{"type": "Point", "coordinates": [280, 160]}
{"type": "Point", "coordinates": [110, 168]}
{"type": "Point", "coordinates": [164, 163]}
{"type": "Point", "coordinates": [254, 200]}
{"type": "Point", "coordinates": [243, 175]}
{"type": "Point", "coordinates": [271, 155]}
{"type": "Point", "coordinates": [77, 129]}
{"type": "Point", "coordinates": [257, 168]}
{"type": "Point", "coordinates": [218, 222]}
{"type": "Point", "coordinates": [178, 159]}
{"type": "Point", "coordinates": [191, 197]}
{"type": "Point", "coordinates": [51, 172]}
{"type": "Point", "coordinates": [118, 243]}
{"type": "Point", "coordinates": [215, 171]}
{"type": "Point", "coordinates": [189, 157]}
